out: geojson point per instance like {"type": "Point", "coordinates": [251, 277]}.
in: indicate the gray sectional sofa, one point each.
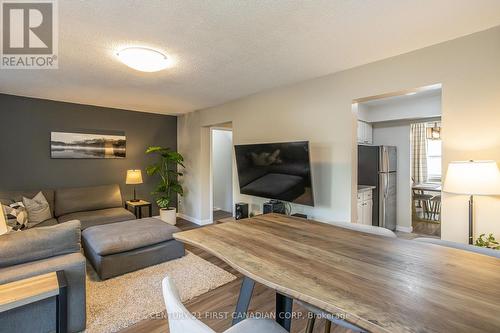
{"type": "Point", "coordinates": [37, 251]}
{"type": "Point", "coordinates": [55, 244]}
{"type": "Point", "coordinates": [94, 205]}
{"type": "Point", "coordinates": [113, 241]}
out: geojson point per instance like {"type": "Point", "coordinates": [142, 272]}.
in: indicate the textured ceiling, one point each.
{"type": "Point", "coordinates": [228, 49]}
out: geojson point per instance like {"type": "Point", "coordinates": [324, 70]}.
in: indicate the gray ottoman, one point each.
{"type": "Point", "coordinates": [122, 247]}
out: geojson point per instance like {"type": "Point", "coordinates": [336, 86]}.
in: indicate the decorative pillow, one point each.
{"type": "Point", "coordinates": [17, 216]}
{"type": "Point", "coordinates": [38, 209]}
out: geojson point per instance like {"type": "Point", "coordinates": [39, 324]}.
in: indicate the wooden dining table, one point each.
{"type": "Point", "coordinates": [427, 187]}
{"type": "Point", "coordinates": [379, 284]}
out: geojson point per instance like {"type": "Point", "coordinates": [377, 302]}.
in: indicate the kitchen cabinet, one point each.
{"type": "Point", "coordinates": [365, 207]}
{"type": "Point", "coordinates": [365, 132]}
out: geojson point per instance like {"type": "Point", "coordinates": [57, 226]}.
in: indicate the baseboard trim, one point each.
{"type": "Point", "coordinates": [194, 220]}
{"type": "Point", "coordinates": [404, 229]}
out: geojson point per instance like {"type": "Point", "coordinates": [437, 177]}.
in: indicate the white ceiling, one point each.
{"type": "Point", "coordinates": [229, 49]}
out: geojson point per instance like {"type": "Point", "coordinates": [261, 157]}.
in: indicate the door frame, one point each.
{"type": "Point", "coordinates": [211, 182]}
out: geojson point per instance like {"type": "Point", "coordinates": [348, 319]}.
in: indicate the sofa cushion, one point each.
{"type": "Point", "coordinates": [39, 243]}
{"type": "Point", "coordinates": [9, 197]}
{"type": "Point", "coordinates": [98, 217]}
{"type": "Point", "coordinates": [81, 199]}
{"type": "Point", "coordinates": [46, 223]}
{"type": "Point", "coordinates": [129, 235]}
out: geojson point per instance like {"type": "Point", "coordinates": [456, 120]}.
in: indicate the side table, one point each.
{"type": "Point", "coordinates": [137, 205]}
{"type": "Point", "coordinates": [26, 291]}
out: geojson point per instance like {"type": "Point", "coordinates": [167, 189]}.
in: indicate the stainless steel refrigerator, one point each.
{"type": "Point", "coordinates": [377, 166]}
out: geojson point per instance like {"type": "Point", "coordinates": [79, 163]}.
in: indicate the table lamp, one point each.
{"type": "Point", "coordinates": [472, 178]}
{"type": "Point", "coordinates": [134, 177]}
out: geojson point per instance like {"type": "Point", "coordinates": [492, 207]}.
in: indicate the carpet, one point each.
{"type": "Point", "coordinates": [122, 301]}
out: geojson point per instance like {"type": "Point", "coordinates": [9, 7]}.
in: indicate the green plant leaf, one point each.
{"type": "Point", "coordinates": [152, 169]}
{"type": "Point", "coordinates": [163, 202]}
{"type": "Point", "coordinates": [177, 189]}
{"type": "Point", "coordinates": [156, 149]}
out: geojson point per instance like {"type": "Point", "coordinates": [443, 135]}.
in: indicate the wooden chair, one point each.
{"type": "Point", "coordinates": [435, 207]}
{"type": "Point", "coordinates": [420, 199]}
{"type": "Point", "coordinates": [180, 320]}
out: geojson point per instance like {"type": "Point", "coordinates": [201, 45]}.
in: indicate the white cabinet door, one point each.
{"type": "Point", "coordinates": [365, 132]}
{"type": "Point", "coordinates": [367, 212]}
{"type": "Point", "coordinates": [360, 212]}
{"type": "Point", "coordinates": [368, 133]}
{"type": "Point", "coordinates": [361, 130]}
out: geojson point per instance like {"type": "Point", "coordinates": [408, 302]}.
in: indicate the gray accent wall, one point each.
{"type": "Point", "coordinates": [25, 128]}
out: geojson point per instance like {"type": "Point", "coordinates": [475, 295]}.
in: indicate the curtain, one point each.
{"type": "Point", "coordinates": [418, 153]}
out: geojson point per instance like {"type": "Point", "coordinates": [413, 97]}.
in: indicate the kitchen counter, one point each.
{"type": "Point", "coordinates": [365, 188]}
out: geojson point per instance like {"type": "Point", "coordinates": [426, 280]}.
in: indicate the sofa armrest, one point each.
{"type": "Point", "coordinates": [39, 243]}
{"type": "Point", "coordinates": [42, 314]}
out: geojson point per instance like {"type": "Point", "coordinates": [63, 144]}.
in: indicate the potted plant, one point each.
{"type": "Point", "coordinates": [489, 242]}
{"type": "Point", "coordinates": [169, 187]}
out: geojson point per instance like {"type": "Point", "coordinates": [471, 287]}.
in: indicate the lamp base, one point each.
{"type": "Point", "coordinates": [471, 220]}
{"type": "Point", "coordinates": [135, 200]}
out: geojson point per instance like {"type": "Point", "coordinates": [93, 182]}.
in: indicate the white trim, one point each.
{"type": "Point", "coordinates": [194, 220]}
{"type": "Point", "coordinates": [404, 229]}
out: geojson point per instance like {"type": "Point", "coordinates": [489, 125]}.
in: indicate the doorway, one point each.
{"type": "Point", "coordinates": [425, 143]}
{"type": "Point", "coordinates": [222, 171]}
{"type": "Point", "coordinates": [385, 124]}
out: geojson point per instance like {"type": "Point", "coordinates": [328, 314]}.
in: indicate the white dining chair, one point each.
{"type": "Point", "coordinates": [318, 313]}
{"type": "Point", "coordinates": [369, 229]}
{"type": "Point", "coordinates": [180, 320]}
{"type": "Point", "coordinates": [460, 246]}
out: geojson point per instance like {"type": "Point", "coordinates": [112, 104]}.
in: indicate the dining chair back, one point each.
{"type": "Point", "coordinates": [180, 320]}
{"type": "Point", "coordinates": [369, 229]}
{"type": "Point", "coordinates": [466, 247]}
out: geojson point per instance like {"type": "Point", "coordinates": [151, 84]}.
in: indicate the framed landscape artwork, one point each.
{"type": "Point", "coordinates": [83, 145]}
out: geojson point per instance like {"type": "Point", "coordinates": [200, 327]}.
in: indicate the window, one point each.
{"type": "Point", "coordinates": [434, 160]}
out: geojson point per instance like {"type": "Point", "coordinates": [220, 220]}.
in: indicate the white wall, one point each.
{"type": "Point", "coordinates": [404, 107]}
{"type": "Point", "coordinates": [222, 169]}
{"type": "Point", "coordinates": [320, 111]}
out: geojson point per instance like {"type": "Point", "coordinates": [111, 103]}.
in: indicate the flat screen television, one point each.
{"type": "Point", "coordinates": [280, 171]}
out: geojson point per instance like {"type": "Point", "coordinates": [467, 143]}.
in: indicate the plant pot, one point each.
{"type": "Point", "coordinates": [168, 215]}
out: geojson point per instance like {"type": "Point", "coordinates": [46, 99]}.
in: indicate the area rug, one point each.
{"type": "Point", "coordinates": [122, 301]}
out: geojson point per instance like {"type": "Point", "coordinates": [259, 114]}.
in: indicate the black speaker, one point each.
{"type": "Point", "coordinates": [241, 210]}
{"type": "Point", "coordinates": [274, 206]}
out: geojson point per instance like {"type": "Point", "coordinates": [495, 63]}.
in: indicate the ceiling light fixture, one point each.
{"type": "Point", "coordinates": [143, 59]}
{"type": "Point", "coordinates": [411, 93]}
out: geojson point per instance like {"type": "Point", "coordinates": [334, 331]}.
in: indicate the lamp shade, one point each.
{"type": "Point", "coordinates": [472, 178]}
{"type": "Point", "coordinates": [133, 177]}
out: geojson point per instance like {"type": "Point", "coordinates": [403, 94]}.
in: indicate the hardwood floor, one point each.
{"type": "Point", "coordinates": [220, 214]}
{"type": "Point", "coordinates": [214, 308]}
{"type": "Point", "coordinates": [423, 226]}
